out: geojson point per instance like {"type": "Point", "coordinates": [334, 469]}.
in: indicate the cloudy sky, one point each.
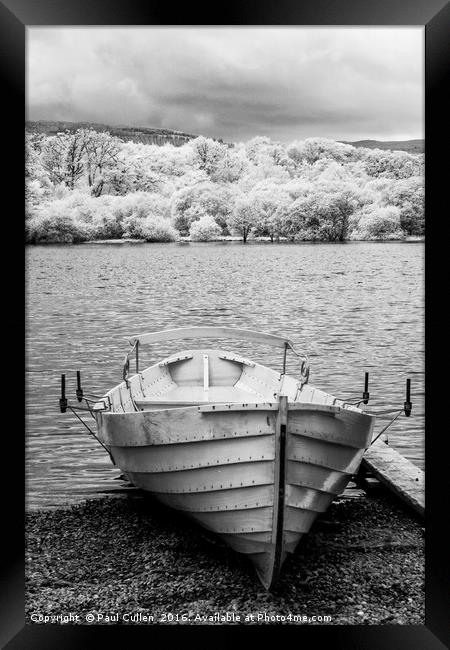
{"type": "Point", "coordinates": [234, 83]}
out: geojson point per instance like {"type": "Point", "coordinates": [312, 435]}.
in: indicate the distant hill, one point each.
{"type": "Point", "coordinates": [134, 133]}
{"type": "Point", "coordinates": [178, 138]}
{"type": "Point", "coordinates": [411, 146]}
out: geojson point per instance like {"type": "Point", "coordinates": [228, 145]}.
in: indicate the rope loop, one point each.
{"type": "Point", "coordinates": [304, 368]}
{"type": "Point", "coordinates": [126, 364]}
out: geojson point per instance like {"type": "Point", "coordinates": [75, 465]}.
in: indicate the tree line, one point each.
{"type": "Point", "coordinates": [88, 185]}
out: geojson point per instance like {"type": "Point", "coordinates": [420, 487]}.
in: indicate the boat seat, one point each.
{"type": "Point", "coordinates": [191, 395]}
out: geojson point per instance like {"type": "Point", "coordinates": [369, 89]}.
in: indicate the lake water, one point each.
{"type": "Point", "coordinates": [353, 307]}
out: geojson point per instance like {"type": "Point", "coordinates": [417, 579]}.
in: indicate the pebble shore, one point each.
{"type": "Point", "coordinates": [127, 560]}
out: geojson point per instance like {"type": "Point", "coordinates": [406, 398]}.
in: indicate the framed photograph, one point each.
{"type": "Point", "coordinates": [225, 322]}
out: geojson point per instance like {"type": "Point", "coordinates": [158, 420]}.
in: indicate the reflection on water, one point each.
{"type": "Point", "coordinates": [352, 307]}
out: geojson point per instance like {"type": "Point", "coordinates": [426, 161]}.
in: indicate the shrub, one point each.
{"type": "Point", "coordinates": [320, 215]}
{"type": "Point", "coordinates": [192, 203]}
{"type": "Point", "coordinates": [409, 196]}
{"type": "Point", "coordinates": [377, 222]}
{"type": "Point", "coordinates": [53, 229]}
{"type": "Point", "coordinates": [205, 229]}
{"type": "Point", "coordinates": [158, 229]}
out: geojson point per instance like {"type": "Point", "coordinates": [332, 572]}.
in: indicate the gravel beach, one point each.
{"type": "Point", "coordinates": [128, 560]}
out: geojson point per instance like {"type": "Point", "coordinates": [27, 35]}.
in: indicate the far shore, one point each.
{"type": "Point", "coordinates": [230, 238]}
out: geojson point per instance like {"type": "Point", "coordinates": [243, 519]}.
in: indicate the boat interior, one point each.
{"type": "Point", "coordinates": [194, 377]}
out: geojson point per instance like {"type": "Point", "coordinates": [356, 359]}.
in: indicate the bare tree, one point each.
{"type": "Point", "coordinates": [100, 156]}
{"type": "Point", "coordinates": [62, 158]}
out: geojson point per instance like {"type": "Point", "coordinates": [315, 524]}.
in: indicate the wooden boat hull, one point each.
{"type": "Point", "coordinates": [257, 474]}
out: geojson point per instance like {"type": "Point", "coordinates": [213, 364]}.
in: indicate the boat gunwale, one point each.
{"type": "Point", "coordinates": [225, 407]}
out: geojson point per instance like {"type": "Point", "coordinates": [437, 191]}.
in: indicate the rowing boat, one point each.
{"type": "Point", "coordinates": [252, 454]}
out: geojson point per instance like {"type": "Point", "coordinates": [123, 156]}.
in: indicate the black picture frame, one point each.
{"type": "Point", "coordinates": [15, 16]}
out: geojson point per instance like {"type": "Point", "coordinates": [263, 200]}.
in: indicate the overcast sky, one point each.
{"type": "Point", "coordinates": [234, 83]}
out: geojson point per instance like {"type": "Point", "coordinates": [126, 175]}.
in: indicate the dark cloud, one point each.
{"type": "Point", "coordinates": [233, 83]}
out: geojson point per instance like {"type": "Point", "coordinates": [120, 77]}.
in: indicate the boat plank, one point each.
{"type": "Point", "coordinates": [206, 478]}
{"type": "Point", "coordinates": [290, 387]}
{"type": "Point", "coordinates": [236, 358]}
{"type": "Point", "coordinates": [114, 398]}
{"type": "Point", "coordinates": [178, 359]}
{"type": "Point", "coordinates": [299, 520]}
{"type": "Point", "coordinates": [306, 498]}
{"type": "Point", "coordinates": [236, 521]}
{"type": "Point", "coordinates": [220, 500]}
{"type": "Point", "coordinates": [172, 426]}
{"type": "Point", "coordinates": [398, 473]}
{"type": "Point", "coordinates": [125, 398]}
{"type": "Point", "coordinates": [325, 454]}
{"type": "Point", "coordinates": [156, 381]}
{"type": "Point", "coordinates": [291, 539]}
{"type": "Point", "coordinates": [270, 406]}
{"type": "Point", "coordinates": [263, 537]}
{"type": "Point", "coordinates": [319, 408]}
{"type": "Point", "coordinates": [135, 383]}
{"type": "Point", "coordinates": [332, 424]}
{"type": "Point", "coordinates": [246, 544]}
{"type": "Point", "coordinates": [260, 381]}
{"type": "Point", "coordinates": [170, 458]}
{"type": "Point", "coordinates": [316, 477]}
{"type": "Point", "coordinates": [196, 394]}
{"type": "Point", "coordinates": [232, 406]}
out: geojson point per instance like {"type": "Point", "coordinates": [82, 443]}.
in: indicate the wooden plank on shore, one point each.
{"type": "Point", "coordinates": [401, 476]}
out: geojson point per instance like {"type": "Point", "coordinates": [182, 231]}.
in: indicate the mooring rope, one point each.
{"type": "Point", "coordinates": [386, 427]}
{"type": "Point", "coordinates": [383, 412]}
{"type": "Point", "coordinates": [90, 431]}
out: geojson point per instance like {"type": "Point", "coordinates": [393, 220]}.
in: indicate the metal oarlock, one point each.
{"type": "Point", "coordinates": [407, 406]}
{"type": "Point", "coordinates": [90, 399]}
{"type": "Point", "coordinates": [284, 358]}
{"type": "Point", "coordinates": [366, 393]}
{"type": "Point", "coordinates": [63, 400]}
{"type": "Point", "coordinates": [79, 389]}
